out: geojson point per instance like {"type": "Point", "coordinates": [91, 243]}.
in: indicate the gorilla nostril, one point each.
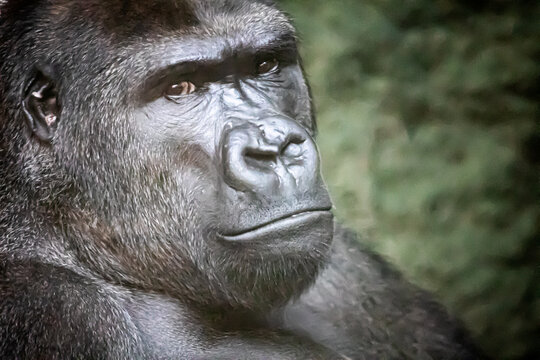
{"type": "Point", "coordinates": [261, 157]}
{"type": "Point", "coordinates": [292, 147]}
{"type": "Point", "coordinates": [292, 150]}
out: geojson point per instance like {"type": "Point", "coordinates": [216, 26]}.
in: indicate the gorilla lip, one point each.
{"type": "Point", "coordinates": [288, 221]}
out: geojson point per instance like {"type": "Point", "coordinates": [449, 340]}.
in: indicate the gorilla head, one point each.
{"type": "Point", "coordinates": [169, 144]}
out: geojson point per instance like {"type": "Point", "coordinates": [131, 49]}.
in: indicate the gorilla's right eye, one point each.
{"type": "Point", "coordinates": [180, 89]}
{"type": "Point", "coordinates": [267, 66]}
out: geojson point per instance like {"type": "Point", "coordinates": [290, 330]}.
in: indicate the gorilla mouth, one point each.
{"type": "Point", "coordinates": [284, 224]}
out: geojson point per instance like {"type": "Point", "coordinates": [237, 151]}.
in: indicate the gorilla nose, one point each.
{"type": "Point", "coordinates": [268, 156]}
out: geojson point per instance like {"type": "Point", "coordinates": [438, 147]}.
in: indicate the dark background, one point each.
{"type": "Point", "coordinates": [430, 138]}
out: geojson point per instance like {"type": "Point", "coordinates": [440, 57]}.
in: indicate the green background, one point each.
{"type": "Point", "coordinates": [430, 138]}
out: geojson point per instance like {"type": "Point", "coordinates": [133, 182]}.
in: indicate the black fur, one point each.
{"type": "Point", "coordinates": [109, 245]}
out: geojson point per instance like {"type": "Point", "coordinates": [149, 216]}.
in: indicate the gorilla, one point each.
{"type": "Point", "coordinates": [160, 196]}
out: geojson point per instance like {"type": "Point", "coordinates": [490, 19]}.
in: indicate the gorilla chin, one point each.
{"type": "Point", "coordinates": [296, 232]}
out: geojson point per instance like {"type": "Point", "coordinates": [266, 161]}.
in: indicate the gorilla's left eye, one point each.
{"type": "Point", "coordinates": [267, 66]}
{"type": "Point", "coordinates": [180, 89]}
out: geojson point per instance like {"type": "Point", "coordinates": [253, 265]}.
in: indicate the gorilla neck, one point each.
{"type": "Point", "coordinates": [150, 263]}
{"type": "Point", "coordinates": [132, 254]}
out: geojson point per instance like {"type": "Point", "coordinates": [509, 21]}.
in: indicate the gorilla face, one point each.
{"type": "Point", "coordinates": [190, 151]}
{"type": "Point", "coordinates": [242, 112]}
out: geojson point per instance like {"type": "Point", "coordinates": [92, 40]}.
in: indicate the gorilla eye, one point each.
{"type": "Point", "coordinates": [180, 89]}
{"type": "Point", "coordinates": [267, 66]}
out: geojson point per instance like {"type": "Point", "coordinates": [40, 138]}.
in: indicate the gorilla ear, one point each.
{"type": "Point", "coordinates": [40, 104]}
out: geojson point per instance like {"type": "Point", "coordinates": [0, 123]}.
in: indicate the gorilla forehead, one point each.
{"type": "Point", "coordinates": [125, 18]}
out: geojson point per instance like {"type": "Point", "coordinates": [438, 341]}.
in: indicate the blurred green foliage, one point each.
{"type": "Point", "coordinates": [430, 137]}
